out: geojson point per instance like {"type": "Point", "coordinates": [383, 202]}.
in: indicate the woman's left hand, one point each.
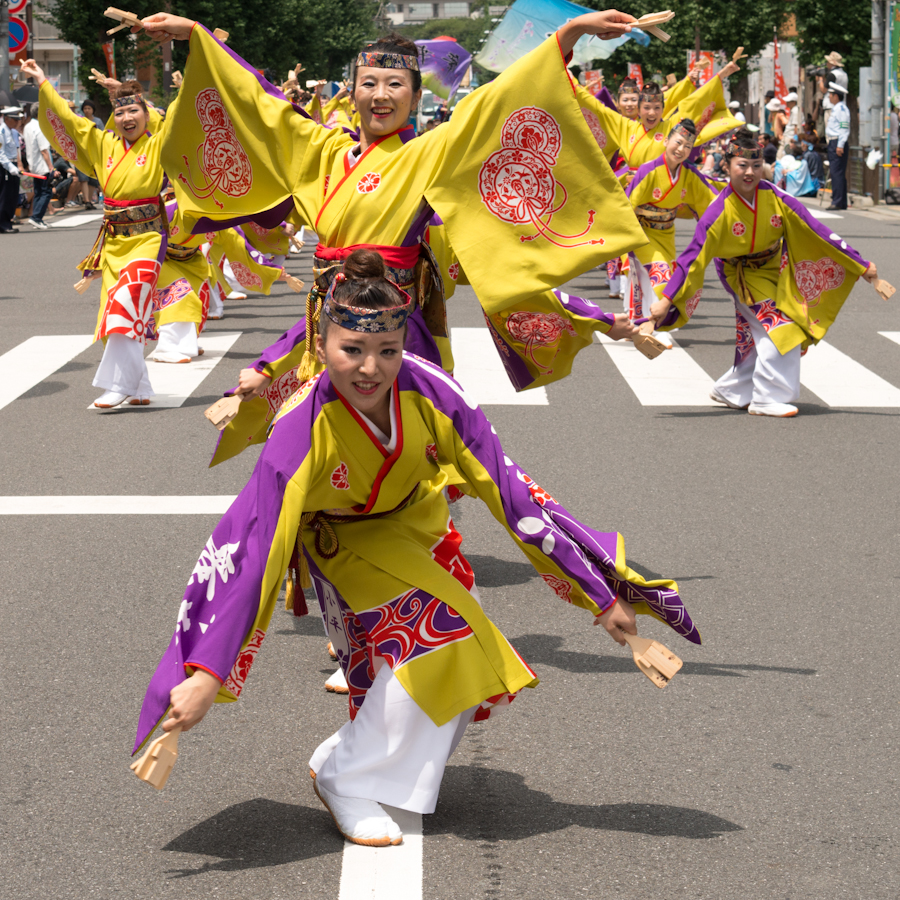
{"type": "Point", "coordinates": [605, 25]}
{"type": "Point", "coordinates": [659, 309]}
{"type": "Point", "coordinates": [622, 328]}
{"type": "Point", "coordinates": [166, 27]}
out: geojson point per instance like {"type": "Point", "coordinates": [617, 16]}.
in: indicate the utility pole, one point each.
{"type": "Point", "coordinates": [4, 47]}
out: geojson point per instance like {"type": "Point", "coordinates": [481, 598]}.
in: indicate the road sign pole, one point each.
{"type": "Point", "coordinates": [4, 48]}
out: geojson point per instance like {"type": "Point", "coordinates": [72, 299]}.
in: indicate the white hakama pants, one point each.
{"type": "Point", "coordinates": [216, 302]}
{"type": "Point", "coordinates": [391, 752]}
{"type": "Point", "coordinates": [765, 376]}
{"type": "Point", "coordinates": [122, 368]}
{"type": "Point", "coordinates": [177, 340]}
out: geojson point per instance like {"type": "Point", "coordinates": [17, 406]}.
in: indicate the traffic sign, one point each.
{"type": "Point", "coordinates": [18, 34]}
{"type": "Point", "coordinates": [17, 6]}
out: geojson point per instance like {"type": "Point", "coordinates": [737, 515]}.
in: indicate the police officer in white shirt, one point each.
{"type": "Point", "coordinates": [10, 144]}
{"type": "Point", "coordinates": [837, 133]}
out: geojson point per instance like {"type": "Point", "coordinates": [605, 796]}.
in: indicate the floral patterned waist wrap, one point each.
{"type": "Point", "coordinates": [653, 217]}
{"type": "Point", "coordinates": [751, 261]}
{"type": "Point", "coordinates": [124, 218]}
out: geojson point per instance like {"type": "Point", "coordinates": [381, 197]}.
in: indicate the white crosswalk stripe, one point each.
{"type": "Point", "coordinates": [479, 369]}
{"type": "Point", "coordinates": [672, 379]}
{"type": "Point", "coordinates": [33, 360]}
{"type": "Point", "coordinates": [385, 873]}
{"type": "Point", "coordinates": [101, 505]}
{"type": "Point", "coordinates": [838, 380]}
{"type": "Point", "coordinates": [77, 219]}
{"type": "Point", "coordinates": [174, 383]}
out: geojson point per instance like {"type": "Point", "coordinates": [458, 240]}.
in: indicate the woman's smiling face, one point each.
{"type": "Point", "coordinates": [384, 99]}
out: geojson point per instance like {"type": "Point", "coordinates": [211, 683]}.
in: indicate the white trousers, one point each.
{"type": "Point", "coordinates": [391, 752]}
{"type": "Point", "coordinates": [765, 376]}
{"type": "Point", "coordinates": [216, 305]}
{"type": "Point", "coordinates": [177, 339]}
{"type": "Point", "coordinates": [122, 368]}
{"type": "Point", "coordinates": [228, 272]}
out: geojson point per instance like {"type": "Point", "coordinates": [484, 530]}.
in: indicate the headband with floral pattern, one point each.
{"type": "Point", "coordinates": [379, 59]}
{"type": "Point", "coordinates": [370, 321]}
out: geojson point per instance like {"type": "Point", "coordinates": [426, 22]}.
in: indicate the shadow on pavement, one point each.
{"type": "Point", "coordinates": [493, 572]}
{"type": "Point", "coordinates": [479, 803]}
{"type": "Point", "coordinates": [544, 650]}
{"type": "Point", "coordinates": [255, 834]}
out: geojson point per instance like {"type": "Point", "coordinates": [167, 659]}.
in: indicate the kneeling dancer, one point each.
{"type": "Point", "coordinates": [353, 476]}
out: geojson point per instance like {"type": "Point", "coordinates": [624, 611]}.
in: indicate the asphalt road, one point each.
{"type": "Point", "coordinates": [767, 769]}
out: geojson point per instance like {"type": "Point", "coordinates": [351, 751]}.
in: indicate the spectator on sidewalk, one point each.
{"type": "Point", "coordinates": [37, 152]}
{"type": "Point", "coordinates": [89, 111]}
{"type": "Point", "coordinates": [10, 164]}
{"type": "Point", "coordinates": [837, 133]}
{"type": "Point", "coordinates": [836, 75]}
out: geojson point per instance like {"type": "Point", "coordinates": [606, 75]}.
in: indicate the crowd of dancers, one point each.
{"type": "Point", "coordinates": [367, 438]}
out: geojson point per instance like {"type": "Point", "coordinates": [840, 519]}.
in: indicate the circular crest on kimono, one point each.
{"type": "Point", "coordinates": [738, 229]}
{"type": "Point", "coordinates": [533, 129]}
{"type": "Point", "coordinates": [453, 270]}
{"type": "Point", "coordinates": [814, 278]}
{"type": "Point", "coordinates": [596, 128]}
{"type": "Point", "coordinates": [516, 185]}
{"type": "Point", "coordinates": [775, 221]}
{"type": "Point", "coordinates": [368, 183]}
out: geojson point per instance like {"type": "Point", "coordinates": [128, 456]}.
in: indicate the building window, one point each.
{"type": "Point", "coordinates": [61, 68]}
{"type": "Point", "coordinates": [421, 11]}
{"type": "Point", "coordinates": [456, 10]}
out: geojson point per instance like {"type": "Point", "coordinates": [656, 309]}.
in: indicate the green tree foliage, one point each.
{"type": "Point", "coordinates": [723, 25]}
{"type": "Point", "coordinates": [844, 27]}
{"type": "Point", "coordinates": [322, 34]}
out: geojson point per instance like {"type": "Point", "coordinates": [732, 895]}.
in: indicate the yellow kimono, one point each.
{"type": "Point", "coordinates": [132, 242]}
{"type": "Point", "coordinates": [706, 106]}
{"type": "Point", "coordinates": [792, 271]}
{"type": "Point", "coordinates": [658, 199]}
{"type": "Point", "coordinates": [527, 199]}
{"type": "Point", "coordinates": [386, 563]}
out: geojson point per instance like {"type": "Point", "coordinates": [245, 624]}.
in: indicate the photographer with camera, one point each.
{"type": "Point", "coordinates": [834, 73]}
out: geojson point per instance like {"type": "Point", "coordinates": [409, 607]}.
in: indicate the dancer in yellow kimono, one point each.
{"type": "Point", "coordinates": [132, 242]}
{"type": "Point", "coordinates": [643, 141]}
{"type": "Point", "coordinates": [515, 176]}
{"type": "Point", "coordinates": [788, 274]}
{"type": "Point", "coordinates": [352, 478]}
{"type": "Point", "coordinates": [662, 190]}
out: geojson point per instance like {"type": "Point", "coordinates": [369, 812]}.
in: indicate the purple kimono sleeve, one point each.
{"type": "Point", "coordinates": [587, 558]}
{"type": "Point", "coordinates": [642, 172]}
{"type": "Point", "coordinates": [223, 594]}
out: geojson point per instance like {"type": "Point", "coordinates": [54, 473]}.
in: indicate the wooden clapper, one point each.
{"type": "Point", "coordinates": [650, 22]}
{"type": "Point", "coordinates": [157, 763]}
{"type": "Point", "coordinates": [656, 661]}
{"type": "Point", "coordinates": [646, 343]}
{"type": "Point", "coordinates": [223, 411]}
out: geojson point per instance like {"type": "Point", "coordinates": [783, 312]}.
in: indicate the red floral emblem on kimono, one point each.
{"type": "Point", "coordinates": [340, 478]}
{"type": "Point", "coordinates": [683, 193]}
{"type": "Point", "coordinates": [325, 188]}
{"type": "Point", "coordinates": [368, 183]}
{"type": "Point", "coordinates": [258, 229]}
{"type": "Point", "coordinates": [657, 193]}
{"type": "Point", "coordinates": [596, 128]}
{"type": "Point", "coordinates": [109, 162]}
{"type": "Point", "coordinates": [241, 669]}
{"type": "Point", "coordinates": [705, 116]}
{"type": "Point", "coordinates": [210, 236]}
{"type": "Point", "coordinates": [221, 159]}
{"type": "Point", "coordinates": [129, 302]}
{"type": "Point", "coordinates": [141, 160]}
{"type": "Point", "coordinates": [431, 452]}
{"type": "Point", "coordinates": [538, 329]}
{"type": "Point", "coordinates": [691, 306]}
{"type": "Point", "coordinates": [176, 291]}
{"type": "Point", "coordinates": [280, 390]}
{"type": "Point", "coordinates": [631, 139]}
{"type": "Point", "coordinates": [453, 271]}
{"type": "Point", "coordinates": [775, 221]}
{"type": "Point", "coordinates": [174, 229]}
{"type": "Point", "coordinates": [516, 183]}
{"type": "Point", "coordinates": [814, 278]}
{"type": "Point", "coordinates": [560, 586]}
{"type": "Point", "coordinates": [659, 137]}
{"type": "Point", "coordinates": [537, 492]}
{"type": "Point", "coordinates": [246, 278]}
{"type": "Point", "coordinates": [738, 229]}
{"type": "Point", "coordinates": [66, 144]}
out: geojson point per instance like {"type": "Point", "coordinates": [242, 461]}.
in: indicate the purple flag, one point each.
{"type": "Point", "coordinates": [444, 64]}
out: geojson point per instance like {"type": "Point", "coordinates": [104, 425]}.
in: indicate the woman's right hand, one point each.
{"type": "Point", "coordinates": [30, 69]}
{"type": "Point", "coordinates": [659, 309]}
{"type": "Point", "coordinates": [252, 383]}
{"type": "Point", "coordinates": [190, 701]}
{"type": "Point", "coordinates": [166, 27]}
{"type": "Point", "coordinates": [622, 328]}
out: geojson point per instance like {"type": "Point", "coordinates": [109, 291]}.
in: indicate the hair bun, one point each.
{"type": "Point", "coordinates": [363, 264]}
